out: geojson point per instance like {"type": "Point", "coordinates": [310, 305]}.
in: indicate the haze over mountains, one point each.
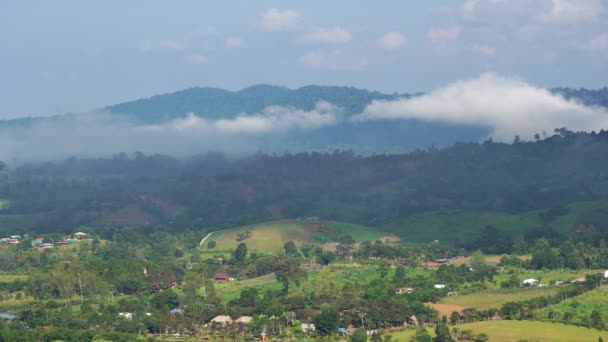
{"type": "Point", "coordinates": [323, 118]}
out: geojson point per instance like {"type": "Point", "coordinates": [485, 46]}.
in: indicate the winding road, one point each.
{"type": "Point", "coordinates": [205, 238]}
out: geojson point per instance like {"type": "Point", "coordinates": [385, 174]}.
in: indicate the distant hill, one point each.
{"type": "Point", "coordinates": [214, 103]}
{"type": "Point", "coordinates": [363, 137]}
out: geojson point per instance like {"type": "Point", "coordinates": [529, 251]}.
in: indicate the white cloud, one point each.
{"type": "Point", "coordinates": [393, 40]}
{"type": "Point", "coordinates": [448, 34]}
{"type": "Point", "coordinates": [331, 36]}
{"type": "Point", "coordinates": [542, 11]}
{"type": "Point", "coordinates": [273, 119]}
{"type": "Point", "coordinates": [275, 20]}
{"type": "Point", "coordinates": [508, 105]}
{"type": "Point", "coordinates": [599, 42]}
{"type": "Point", "coordinates": [573, 11]}
{"type": "Point", "coordinates": [234, 43]}
{"type": "Point", "coordinates": [195, 59]}
{"type": "Point", "coordinates": [333, 60]}
{"type": "Point", "coordinates": [487, 50]}
{"type": "Point", "coordinates": [95, 134]}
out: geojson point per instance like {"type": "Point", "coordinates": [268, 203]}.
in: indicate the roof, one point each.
{"type": "Point", "coordinates": [222, 319]}
{"type": "Point", "coordinates": [221, 275]}
{"type": "Point", "coordinates": [80, 234]}
{"type": "Point", "coordinates": [244, 319]}
{"type": "Point", "coordinates": [530, 281]}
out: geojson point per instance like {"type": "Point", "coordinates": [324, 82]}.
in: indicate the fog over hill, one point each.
{"type": "Point", "coordinates": [321, 118]}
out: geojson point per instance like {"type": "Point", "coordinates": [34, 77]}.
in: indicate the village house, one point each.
{"type": "Point", "coordinates": [530, 282]}
{"type": "Point", "coordinates": [222, 319]}
{"type": "Point", "coordinates": [37, 241]}
{"type": "Point", "coordinates": [404, 290]}
{"type": "Point", "coordinates": [221, 277]}
{"type": "Point", "coordinates": [81, 236]}
{"type": "Point", "coordinates": [308, 328]}
{"type": "Point", "coordinates": [46, 245]}
{"type": "Point", "coordinates": [244, 320]}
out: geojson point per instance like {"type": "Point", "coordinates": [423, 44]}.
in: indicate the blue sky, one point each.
{"type": "Point", "coordinates": [60, 56]}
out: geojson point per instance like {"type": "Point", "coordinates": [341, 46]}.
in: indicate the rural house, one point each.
{"type": "Point", "coordinates": [222, 319]}
{"type": "Point", "coordinates": [221, 277]}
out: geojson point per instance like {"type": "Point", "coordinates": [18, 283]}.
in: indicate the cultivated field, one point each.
{"type": "Point", "coordinates": [496, 298]}
{"type": "Point", "coordinates": [272, 236]}
{"type": "Point", "coordinates": [509, 331]}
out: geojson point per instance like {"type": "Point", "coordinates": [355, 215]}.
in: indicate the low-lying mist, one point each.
{"type": "Point", "coordinates": [508, 106]}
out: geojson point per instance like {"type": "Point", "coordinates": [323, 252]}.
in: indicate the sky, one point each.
{"type": "Point", "coordinates": [70, 56]}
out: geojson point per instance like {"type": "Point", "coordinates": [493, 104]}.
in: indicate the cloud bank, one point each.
{"type": "Point", "coordinates": [104, 134]}
{"type": "Point", "coordinates": [329, 36]}
{"type": "Point", "coordinates": [392, 40]}
{"type": "Point", "coordinates": [276, 20]}
{"type": "Point", "coordinates": [508, 105]}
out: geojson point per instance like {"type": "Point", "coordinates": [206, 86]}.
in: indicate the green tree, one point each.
{"type": "Point", "coordinates": [289, 271]}
{"type": "Point", "coordinates": [326, 323]}
{"type": "Point", "coordinates": [400, 273]}
{"type": "Point", "coordinates": [290, 248]}
{"type": "Point", "coordinates": [543, 256]}
{"type": "Point", "coordinates": [482, 337]}
{"type": "Point", "coordinates": [360, 335]}
{"type": "Point", "coordinates": [421, 335]}
{"type": "Point", "coordinates": [596, 320]}
{"type": "Point", "coordinates": [442, 333]}
{"type": "Point", "coordinates": [241, 252]}
{"type": "Point", "coordinates": [165, 298]}
{"type": "Point", "coordinates": [572, 257]}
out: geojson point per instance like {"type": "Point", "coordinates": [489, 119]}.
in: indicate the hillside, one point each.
{"type": "Point", "coordinates": [471, 195]}
{"type": "Point", "coordinates": [272, 236]}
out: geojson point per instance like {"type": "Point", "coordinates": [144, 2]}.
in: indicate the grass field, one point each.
{"type": "Point", "coordinates": [490, 259]}
{"type": "Point", "coordinates": [7, 278]}
{"type": "Point", "coordinates": [449, 225]}
{"type": "Point", "coordinates": [272, 236]}
{"type": "Point", "coordinates": [548, 277]}
{"type": "Point", "coordinates": [496, 298]}
{"type": "Point", "coordinates": [328, 276]}
{"type": "Point", "coordinates": [232, 290]}
{"type": "Point", "coordinates": [265, 237]}
{"type": "Point", "coordinates": [510, 331]}
{"type": "Point", "coordinates": [358, 232]}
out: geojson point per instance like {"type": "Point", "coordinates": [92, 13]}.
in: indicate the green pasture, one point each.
{"type": "Point", "coordinates": [496, 298]}
{"type": "Point", "coordinates": [510, 331]}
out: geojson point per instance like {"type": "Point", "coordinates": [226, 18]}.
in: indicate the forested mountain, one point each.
{"type": "Point", "coordinates": [362, 137]}
{"type": "Point", "coordinates": [534, 182]}
{"type": "Point", "coordinates": [214, 103]}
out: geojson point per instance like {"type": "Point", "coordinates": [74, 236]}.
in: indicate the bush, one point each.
{"type": "Point", "coordinates": [211, 244]}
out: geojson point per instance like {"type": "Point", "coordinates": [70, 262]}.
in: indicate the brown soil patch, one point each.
{"type": "Point", "coordinates": [167, 207]}
{"type": "Point", "coordinates": [390, 238]}
{"type": "Point", "coordinates": [331, 244]}
{"type": "Point", "coordinates": [446, 309]}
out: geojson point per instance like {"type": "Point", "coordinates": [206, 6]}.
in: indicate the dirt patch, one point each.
{"type": "Point", "coordinates": [390, 238]}
{"type": "Point", "coordinates": [446, 309]}
{"type": "Point", "coordinates": [167, 207]}
{"type": "Point", "coordinates": [331, 244]}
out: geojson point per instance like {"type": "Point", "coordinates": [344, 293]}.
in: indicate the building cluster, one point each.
{"type": "Point", "coordinates": [40, 243]}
